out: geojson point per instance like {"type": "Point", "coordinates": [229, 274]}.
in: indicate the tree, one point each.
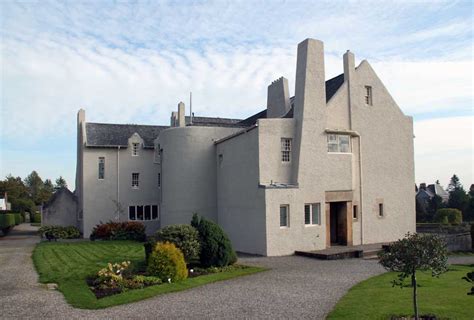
{"type": "Point", "coordinates": [412, 253]}
{"type": "Point", "coordinates": [34, 183]}
{"type": "Point", "coordinates": [470, 209]}
{"type": "Point", "coordinates": [458, 199]}
{"type": "Point", "coordinates": [60, 183]}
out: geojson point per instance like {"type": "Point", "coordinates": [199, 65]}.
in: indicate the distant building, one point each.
{"type": "Point", "coordinates": [308, 172]}
{"type": "Point", "coordinates": [426, 193]}
{"type": "Point", "coordinates": [4, 204]}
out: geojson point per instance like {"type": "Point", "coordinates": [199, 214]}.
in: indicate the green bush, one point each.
{"type": "Point", "coordinates": [448, 215]}
{"type": "Point", "coordinates": [119, 231]}
{"type": "Point", "coordinates": [167, 263]}
{"type": "Point", "coordinates": [7, 222]}
{"type": "Point", "coordinates": [185, 237]}
{"type": "Point", "coordinates": [216, 248]}
{"type": "Point", "coordinates": [472, 236]}
{"type": "Point", "coordinates": [17, 218]}
{"type": "Point", "coordinates": [37, 218]}
{"type": "Point", "coordinates": [60, 232]}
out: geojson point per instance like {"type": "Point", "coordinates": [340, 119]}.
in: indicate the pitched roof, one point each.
{"type": "Point", "coordinates": [332, 85]}
{"type": "Point", "coordinates": [57, 193]}
{"type": "Point", "coordinates": [114, 135]}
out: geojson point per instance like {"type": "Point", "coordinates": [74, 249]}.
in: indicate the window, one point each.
{"type": "Point", "coordinates": [159, 180]}
{"type": "Point", "coordinates": [312, 214]}
{"type": "Point", "coordinates": [339, 143]}
{"type": "Point", "coordinates": [355, 213]}
{"type": "Point", "coordinates": [135, 147]}
{"type": "Point", "coordinates": [157, 153]}
{"type": "Point", "coordinates": [285, 150]}
{"type": "Point", "coordinates": [284, 216]}
{"type": "Point", "coordinates": [221, 159]}
{"type": "Point", "coordinates": [380, 209]}
{"type": "Point", "coordinates": [143, 213]}
{"type": "Point", "coordinates": [101, 168]}
{"type": "Point", "coordinates": [135, 180]}
{"type": "Point", "coordinates": [368, 95]}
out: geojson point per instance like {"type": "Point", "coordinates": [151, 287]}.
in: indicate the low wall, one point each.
{"type": "Point", "coordinates": [458, 238]}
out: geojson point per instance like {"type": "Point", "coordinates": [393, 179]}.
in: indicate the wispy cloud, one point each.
{"type": "Point", "coordinates": [133, 62]}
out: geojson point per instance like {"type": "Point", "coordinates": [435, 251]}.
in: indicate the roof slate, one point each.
{"type": "Point", "coordinates": [114, 135]}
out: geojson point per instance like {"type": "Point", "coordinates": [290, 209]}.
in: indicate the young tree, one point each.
{"type": "Point", "coordinates": [46, 191]}
{"type": "Point", "coordinates": [412, 253]}
{"type": "Point", "coordinates": [34, 183]}
{"type": "Point", "coordinates": [470, 209]}
{"type": "Point", "coordinates": [60, 183]}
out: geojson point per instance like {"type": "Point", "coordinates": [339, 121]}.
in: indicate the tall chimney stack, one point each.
{"type": "Point", "coordinates": [181, 118]}
{"type": "Point", "coordinates": [278, 100]}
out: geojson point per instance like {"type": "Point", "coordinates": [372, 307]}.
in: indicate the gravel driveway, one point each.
{"type": "Point", "coordinates": [294, 288]}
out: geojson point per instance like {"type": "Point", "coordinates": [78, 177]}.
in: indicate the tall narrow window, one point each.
{"type": "Point", "coordinates": [101, 168]}
{"type": "Point", "coordinates": [381, 213]}
{"type": "Point", "coordinates": [285, 150]}
{"type": "Point", "coordinates": [132, 213]}
{"type": "Point", "coordinates": [157, 153]}
{"type": "Point", "coordinates": [135, 180]}
{"type": "Point", "coordinates": [139, 212]}
{"type": "Point", "coordinates": [355, 213]}
{"type": "Point", "coordinates": [135, 147]}
{"type": "Point", "coordinates": [284, 216]}
{"type": "Point", "coordinates": [154, 212]}
{"type": "Point", "coordinates": [159, 180]}
{"type": "Point", "coordinates": [368, 95]}
{"type": "Point", "coordinates": [312, 214]}
{"type": "Point", "coordinates": [147, 213]}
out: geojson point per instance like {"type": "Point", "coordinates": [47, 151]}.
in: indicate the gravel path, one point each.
{"type": "Point", "coordinates": [295, 287]}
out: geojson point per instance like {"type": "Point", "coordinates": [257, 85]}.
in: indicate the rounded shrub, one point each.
{"type": "Point", "coordinates": [183, 236]}
{"type": "Point", "coordinates": [448, 215]}
{"type": "Point", "coordinates": [7, 222]}
{"type": "Point", "coordinates": [130, 230]}
{"type": "Point", "coordinates": [167, 262]}
{"type": "Point", "coordinates": [216, 248]}
{"type": "Point", "coordinates": [37, 218]}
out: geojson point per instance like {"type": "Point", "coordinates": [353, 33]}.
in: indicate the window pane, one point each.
{"type": "Point", "coordinates": [354, 212]}
{"type": "Point", "coordinates": [154, 212]}
{"type": "Point", "coordinates": [333, 147]}
{"type": "Point", "coordinates": [101, 167]}
{"type": "Point", "coordinates": [307, 214]}
{"type": "Point", "coordinates": [159, 180]}
{"type": "Point", "coordinates": [147, 213]}
{"type": "Point", "coordinates": [283, 216]}
{"type": "Point", "coordinates": [344, 144]}
{"type": "Point", "coordinates": [131, 213]}
{"type": "Point", "coordinates": [316, 213]}
{"type": "Point", "coordinates": [381, 209]}
{"type": "Point", "coordinates": [139, 212]}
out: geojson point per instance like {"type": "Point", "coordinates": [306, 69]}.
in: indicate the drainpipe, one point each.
{"type": "Point", "coordinates": [118, 182]}
{"type": "Point", "coordinates": [360, 191]}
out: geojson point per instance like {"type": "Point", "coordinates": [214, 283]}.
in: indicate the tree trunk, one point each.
{"type": "Point", "coordinates": [415, 304]}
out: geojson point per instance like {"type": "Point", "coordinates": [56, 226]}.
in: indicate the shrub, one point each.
{"type": "Point", "coordinates": [472, 236]}
{"type": "Point", "coordinates": [119, 231]}
{"type": "Point", "coordinates": [167, 262]}
{"type": "Point", "coordinates": [60, 232]}
{"type": "Point", "coordinates": [183, 236]}
{"type": "Point", "coordinates": [7, 221]}
{"type": "Point", "coordinates": [112, 275]}
{"type": "Point", "coordinates": [448, 215]}
{"type": "Point", "coordinates": [216, 248]}
{"type": "Point", "coordinates": [17, 218]}
{"type": "Point", "coordinates": [37, 217]}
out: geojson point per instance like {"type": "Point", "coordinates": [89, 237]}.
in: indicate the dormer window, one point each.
{"type": "Point", "coordinates": [368, 95]}
{"type": "Point", "coordinates": [135, 147]}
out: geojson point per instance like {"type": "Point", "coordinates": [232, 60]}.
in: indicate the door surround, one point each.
{"type": "Point", "coordinates": [339, 196]}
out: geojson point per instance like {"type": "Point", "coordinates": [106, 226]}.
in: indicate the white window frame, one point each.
{"type": "Point", "coordinates": [101, 162]}
{"type": "Point", "coordinates": [135, 182]}
{"type": "Point", "coordinates": [135, 149]}
{"type": "Point", "coordinates": [287, 207]}
{"type": "Point", "coordinates": [311, 207]}
{"type": "Point", "coordinates": [286, 150]}
{"type": "Point", "coordinates": [144, 206]}
{"type": "Point", "coordinates": [334, 139]}
{"type": "Point", "coordinates": [368, 95]}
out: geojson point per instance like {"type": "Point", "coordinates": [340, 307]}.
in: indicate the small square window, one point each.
{"type": "Point", "coordinates": [368, 95]}
{"type": "Point", "coordinates": [285, 150]}
{"type": "Point", "coordinates": [284, 221]}
{"type": "Point", "coordinates": [135, 147]}
{"type": "Point", "coordinates": [381, 213]}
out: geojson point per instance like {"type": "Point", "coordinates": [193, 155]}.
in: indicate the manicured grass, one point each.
{"type": "Point", "coordinates": [69, 264]}
{"type": "Point", "coordinates": [375, 298]}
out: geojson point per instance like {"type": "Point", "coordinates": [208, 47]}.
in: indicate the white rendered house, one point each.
{"type": "Point", "coordinates": [308, 172]}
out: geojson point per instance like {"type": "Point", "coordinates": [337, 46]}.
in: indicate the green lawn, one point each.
{"type": "Point", "coordinates": [69, 264]}
{"type": "Point", "coordinates": [375, 298]}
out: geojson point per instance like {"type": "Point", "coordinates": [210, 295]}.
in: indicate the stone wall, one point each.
{"type": "Point", "coordinates": [458, 237]}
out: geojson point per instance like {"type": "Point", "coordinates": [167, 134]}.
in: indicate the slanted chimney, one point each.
{"type": "Point", "coordinates": [173, 119]}
{"type": "Point", "coordinates": [278, 100]}
{"type": "Point", "coordinates": [423, 186]}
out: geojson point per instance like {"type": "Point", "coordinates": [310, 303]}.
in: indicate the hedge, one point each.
{"type": "Point", "coordinates": [37, 218]}
{"type": "Point", "coordinates": [448, 215]}
{"type": "Point", "coordinates": [7, 221]}
{"type": "Point", "coordinates": [18, 218]}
